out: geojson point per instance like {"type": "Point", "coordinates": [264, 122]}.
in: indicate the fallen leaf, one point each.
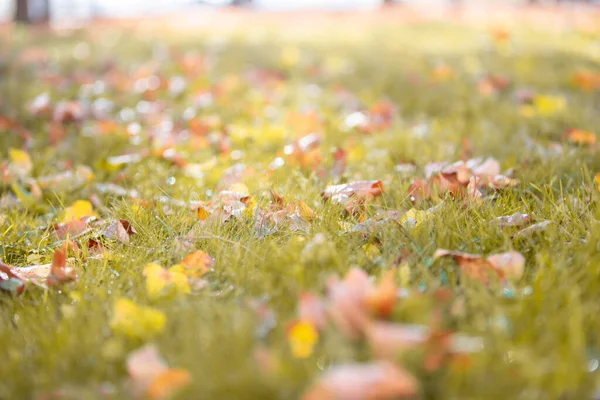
{"type": "Point", "coordinates": [387, 339]}
{"type": "Point", "coordinates": [195, 264]}
{"type": "Point", "coordinates": [362, 189]}
{"type": "Point", "coordinates": [516, 219]}
{"type": "Point", "coordinates": [60, 272]}
{"type": "Point", "coordinates": [161, 283]}
{"type": "Point", "coordinates": [380, 300]}
{"type": "Point", "coordinates": [581, 137]}
{"type": "Point", "coordinates": [116, 231]}
{"type": "Point", "coordinates": [302, 337]}
{"type": "Point", "coordinates": [20, 161]}
{"type": "Point", "coordinates": [346, 302]}
{"type": "Point", "coordinates": [135, 321]}
{"type": "Point", "coordinates": [508, 265]}
{"type": "Point", "coordinates": [79, 209]}
{"type": "Point", "coordinates": [533, 229]}
{"type": "Point", "coordinates": [374, 381]}
{"type": "Point", "coordinates": [150, 375]}
{"type": "Point", "coordinates": [9, 280]}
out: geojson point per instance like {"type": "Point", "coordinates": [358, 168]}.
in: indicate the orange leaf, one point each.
{"type": "Point", "coordinates": [381, 299]}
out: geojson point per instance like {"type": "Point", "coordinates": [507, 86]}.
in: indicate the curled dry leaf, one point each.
{"type": "Point", "coordinates": [346, 302]}
{"type": "Point", "coordinates": [380, 300]}
{"type": "Point", "coordinates": [533, 229]}
{"type": "Point", "coordinates": [60, 272]}
{"type": "Point", "coordinates": [508, 265]}
{"type": "Point", "coordinates": [150, 375]}
{"type": "Point", "coordinates": [375, 381]}
{"type": "Point", "coordinates": [120, 231]}
{"type": "Point", "coordinates": [360, 189]}
{"type": "Point", "coordinates": [516, 219]}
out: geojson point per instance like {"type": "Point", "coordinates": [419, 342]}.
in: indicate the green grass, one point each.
{"type": "Point", "coordinates": [540, 333]}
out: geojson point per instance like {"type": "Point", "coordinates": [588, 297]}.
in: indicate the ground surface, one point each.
{"type": "Point", "coordinates": [226, 147]}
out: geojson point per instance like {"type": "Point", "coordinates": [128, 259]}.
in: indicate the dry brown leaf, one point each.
{"type": "Point", "coordinates": [508, 265]}
{"type": "Point", "coordinates": [150, 375]}
{"type": "Point", "coordinates": [346, 302]}
{"type": "Point", "coordinates": [375, 381]}
{"type": "Point", "coordinates": [516, 219]}
{"type": "Point", "coordinates": [363, 189]}
{"type": "Point", "coordinates": [380, 300]}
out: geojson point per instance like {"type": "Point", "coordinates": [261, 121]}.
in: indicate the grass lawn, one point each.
{"type": "Point", "coordinates": [188, 181]}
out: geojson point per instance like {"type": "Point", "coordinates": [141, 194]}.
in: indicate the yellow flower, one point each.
{"type": "Point", "coordinates": [302, 338]}
{"type": "Point", "coordinates": [163, 283]}
{"type": "Point", "coordinates": [79, 209]}
{"type": "Point", "coordinates": [135, 321]}
{"type": "Point", "coordinates": [597, 179]}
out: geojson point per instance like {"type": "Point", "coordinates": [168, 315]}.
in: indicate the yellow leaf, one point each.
{"type": "Point", "coordinates": [372, 251]}
{"type": "Point", "coordinates": [135, 321]}
{"type": "Point", "coordinates": [404, 272]}
{"type": "Point", "coordinates": [302, 338]}
{"type": "Point", "coordinates": [202, 213]}
{"type": "Point", "coordinates": [239, 188]}
{"type": "Point", "coordinates": [413, 217]}
{"type": "Point", "coordinates": [163, 283]}
{"type": "Point", "coordinates": [20, 160]}
{"type": "Point", "coordinates": [597, 179]}
{"type": "Point", "coordinates": [305, 211]}
{"type": "Point", "coordinates": [79, 209]}
{"type": "Point", "coordinates": [549, 105]}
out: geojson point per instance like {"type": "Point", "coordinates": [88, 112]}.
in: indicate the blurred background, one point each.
{"type": "Point", "coordinates": [57, 11]}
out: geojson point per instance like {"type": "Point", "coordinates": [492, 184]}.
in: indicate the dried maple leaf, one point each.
{"type": "Point", "coordinates": [151, 377]}
{"type": "Point", "coordinates": [508, 265]}
{"type": "Point", "coordinates": [374, 381]}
